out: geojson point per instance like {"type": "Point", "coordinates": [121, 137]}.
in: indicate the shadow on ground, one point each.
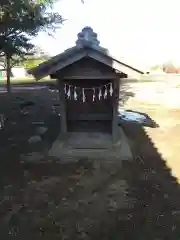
{"type": "Point", "coordinates": [155, 209]}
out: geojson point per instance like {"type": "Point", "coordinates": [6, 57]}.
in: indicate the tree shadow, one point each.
{"type": "Point", "coordinates": [154, 212]}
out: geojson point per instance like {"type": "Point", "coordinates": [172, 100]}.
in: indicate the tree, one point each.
{"type": "Point", "coordinates": [32, 60]}
{"type": "Point", "coordinates": [14, 51]}
{"type": "Point", "coordinates": [20, 20]}
{"type": "Point", "coordinates": [38, 52]}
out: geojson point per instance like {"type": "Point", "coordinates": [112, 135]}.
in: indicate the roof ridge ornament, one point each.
{"type": "Point", "coordinates": [87, 37]}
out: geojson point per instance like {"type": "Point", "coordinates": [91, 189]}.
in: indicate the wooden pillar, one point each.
{"type": "Point", "coordinates": [116, 87]}
{"type": "Point", "coordinates": [62, 106]}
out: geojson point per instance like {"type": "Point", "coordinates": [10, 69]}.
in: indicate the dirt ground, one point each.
{"type": "Point", "coordinates": [154, 176]}
{"type": "Point", "coordinates": [166, 136]}
{"type": "Point", "coordinates": [93, 199]}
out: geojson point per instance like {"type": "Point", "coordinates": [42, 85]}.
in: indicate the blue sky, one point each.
{"type": "Point", "coordinates": [140, 32]}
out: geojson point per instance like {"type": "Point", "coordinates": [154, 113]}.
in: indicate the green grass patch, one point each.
{"type": "Point", "coordinates": [25, 80]}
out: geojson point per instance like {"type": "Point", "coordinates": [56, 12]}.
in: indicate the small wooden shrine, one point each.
{"type": "Point", "coordinates": [89, 84]}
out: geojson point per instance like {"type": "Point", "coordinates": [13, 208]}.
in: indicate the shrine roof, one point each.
{"type": "Point", "coordinates": [87, 45]}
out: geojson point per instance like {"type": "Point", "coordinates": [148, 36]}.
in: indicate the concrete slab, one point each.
{"type": "Point", "coordinates": [89, 140]}
{"type": "Point", "coordinates": [69, 148]}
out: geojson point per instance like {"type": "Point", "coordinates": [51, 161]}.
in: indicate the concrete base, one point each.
{"type": "Point", "coordinates": [88, 140]}
{"type": "Point", "coordinates": [75, 146]}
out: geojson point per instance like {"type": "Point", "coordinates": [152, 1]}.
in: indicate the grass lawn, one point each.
{"type": "Point", "coordinates": [25, 80]}
{"type": "Point", "coordinates": [91, 199]}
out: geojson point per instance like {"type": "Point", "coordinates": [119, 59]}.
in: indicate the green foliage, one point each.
{"type": "Point", "coordinates": [30, 60]}
{"type": "Point", "coordinates": [157, 67]}
{"type": "Point", "coordinates": [36, 56]}
{"type": "Point", "coordinates": [18, 23]}
{"type": "Point", "coordinates": [20, 20]}
{"type": "Point", "coordinates": [30, 63]}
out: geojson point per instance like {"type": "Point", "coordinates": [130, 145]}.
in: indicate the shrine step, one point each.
{"type": "Point", "coordinates": [89, 140]}
{"type": "Point", "coordinates": [64, 151]}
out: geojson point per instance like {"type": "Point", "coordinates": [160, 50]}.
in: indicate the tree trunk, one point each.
{"type": "Point", "coordinates": [8, 71]}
